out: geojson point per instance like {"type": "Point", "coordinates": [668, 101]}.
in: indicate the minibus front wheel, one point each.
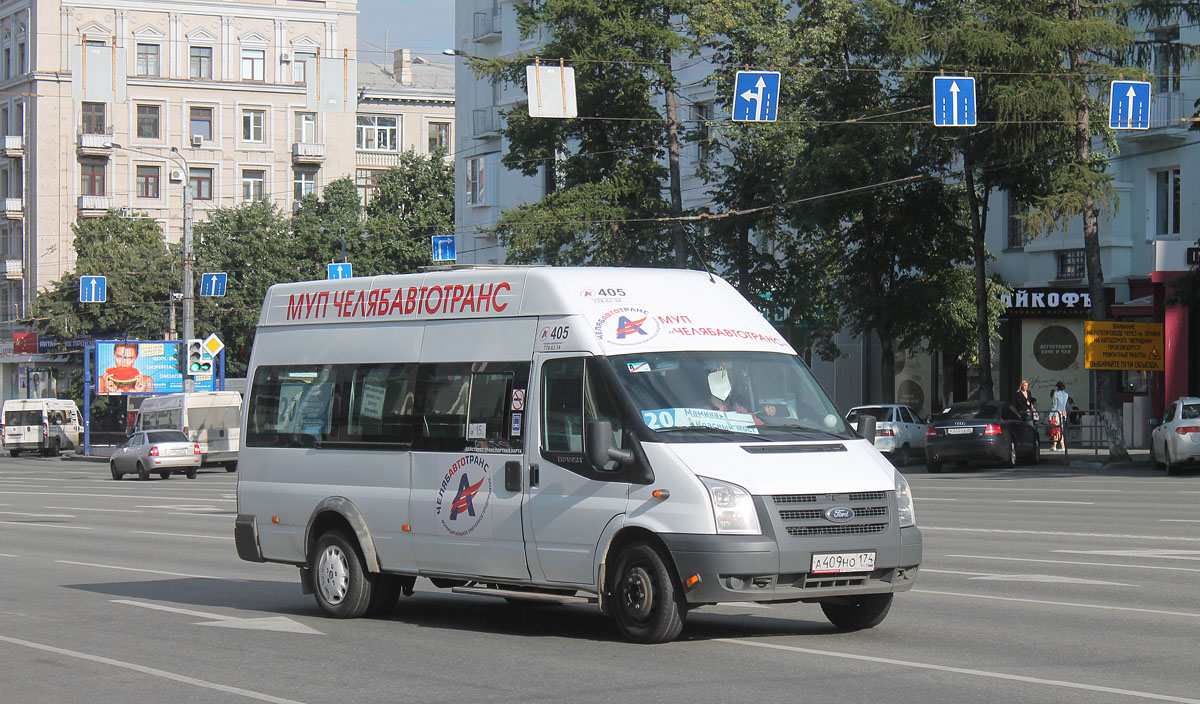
{"type": "Point", "coordinates": [855, 613]}
{"type": "Point", "coordinates": [645, 595]}
{"type": "Point", "coordinates": [342, 586]}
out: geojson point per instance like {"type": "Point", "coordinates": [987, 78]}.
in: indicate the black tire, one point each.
{"type": "Point", "coordinates": [1153, 460]}
{"type": "Point", "coordinates": [164, 475]}
{"type": "Point", "coordinates": [1173, 468]}
{"type": "Point", "coordinates": [13, 453]}
{"type": "Point", "coordinates": [384, 595]}
{"type": "Point", "coordinates": [142, 472]}
{"type": "Point", "coordinates": [645, 598]}
{"type": "Point", "coordinates": [933, 466]}
{"type": "Point", "coordinates": [341, 584]}
{"type": "Point", "coordinates": [190, 473]}
{"type": "Point", "coordinates": [1010, 460]}
{"type": "Point", "coordinates": [53, 450]}
{"type": "Point", "coordinates": [855, 613]}
{"type": "Point", "coordinates": [1035, 455]}
{"type": "Point", "coordinates": [231, 466]}
{"type": "Point", "coordinates": [112, 468]}
{"type": "Point", "coordinates": [900, 457]}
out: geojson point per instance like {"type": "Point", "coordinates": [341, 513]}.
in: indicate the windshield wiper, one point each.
{"type": "Point", "coordinates": [805, 428]}
{"type": "Point", "coordinates": [719, 431]}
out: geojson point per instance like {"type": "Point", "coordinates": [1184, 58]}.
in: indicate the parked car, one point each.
{"type": "Point", "coordinates": [899, 430]}
{"type": "Point", "coordinates": [980, 431]}
{"type": "Point", "coordinates": [160, 452]}
{"type": "Point", "coordinates": [1176, 440]}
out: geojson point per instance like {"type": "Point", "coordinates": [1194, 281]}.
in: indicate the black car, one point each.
{"type": "Point", "coordinates": [975, 430]}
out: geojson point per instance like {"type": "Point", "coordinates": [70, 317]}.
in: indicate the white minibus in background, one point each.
{"type": "Point", "coordinates": [43, 425]}
{"type": "Point", "coordinates": [211, 419]}
{"type": "Point", "coordinates": [641, 440]}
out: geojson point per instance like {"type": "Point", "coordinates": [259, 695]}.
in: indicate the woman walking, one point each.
{"type": "Point", "coordinates": [1025, 403]}
{"type": "Point", "coordinates": [1058, 417]}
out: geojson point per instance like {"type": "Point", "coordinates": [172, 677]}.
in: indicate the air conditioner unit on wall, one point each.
{"type": "Point", "coordinates": [285, 57]}
{"type": "Point", "coordinates": [176, 176]}
{"type": "Point", "coordinates": [197, 140]}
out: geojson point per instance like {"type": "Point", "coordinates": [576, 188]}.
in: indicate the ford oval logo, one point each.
{"type": "Point", "coordinates": [839, 514]}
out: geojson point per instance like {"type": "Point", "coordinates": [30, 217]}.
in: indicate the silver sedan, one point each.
{"type": "Point", "coordinates": [158, 452]}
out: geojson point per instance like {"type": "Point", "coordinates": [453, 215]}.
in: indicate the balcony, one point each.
{"type": "Point", "coordinates": [1166, 112]}
{"type": "Point", "coordinates": [12, 269]}
{"type": "Point", "coordinates": [486, 122]}
{"type": "Point", "coordinates": [14, 146]}
{"type": "Point", "coordinates": [95, 145]}
{"type": "Point", "coordinates": [487, 25]}
{"type": "Point", "coordinates": [14, 208]}
{"type": "Point", "coordinates": [308, 153]}
{"type": "Point", "coordinates": [94, 206]}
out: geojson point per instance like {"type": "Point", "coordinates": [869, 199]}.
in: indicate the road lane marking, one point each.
{"type": "Point", "coordinates": [1036, 501]}
{"type": "Point", "coordinates": [1060, 603]}
{"type": "Point", "coordinates": [966, 671]}
{"type": "Point", "coordinates": [4, 554]}
{"type": "Point", "coordinates": [1039, 578]}
{"type": "Point", "coordinates": [1071, 562]}
{"type": "Point", "coordinates": [278, 624]}
{"type": "Point", "coordinates": [184, 679]}
{"type": "Point", "coordinates": [137, 569]}
{"type": "Point", "coordinates": [1154, 554]}
{"type": "Point", "coordinates": [111, 496]}
{"type": "Point", "coordinates": [36, 515]}
{"type": "Point", "coordinates": [80, 508]}
{"type": "Point", "coordinates": [1179, 520]}
{"type": "Point", "coordinates": [993, 489]}
{"type": "Point", "coordinates": [1061, 533]}
{"type": "Point", "coordinates": [185, 535]}
{"type": "Point", "coordinates": [36, 524]}
{"type": "Point", "coordinates": [932, 498]}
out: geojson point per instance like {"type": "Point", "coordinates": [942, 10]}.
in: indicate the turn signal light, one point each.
{"type": "Point", "coordinates": [196, 449]}
{"type": "Point", "coordinates": [661, 494]}
{"type": "Point", "coordinates": [992, 429]}
{"type": "Point", "coordinates": [1185, 429]}
{"type": "Point", "coordinates": [692, 581]}
{"type": "Point", "coordinates": [153, 451]}
{"type": "Point", "coordinates": [406, 527]}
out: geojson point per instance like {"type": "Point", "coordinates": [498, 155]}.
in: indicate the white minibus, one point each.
{"type": "Point", "coordinates": [43, 425]}
{"type": "Point", "coordinates": [640, 440]}
{"type": "Point", "coordinates": [211, 419]}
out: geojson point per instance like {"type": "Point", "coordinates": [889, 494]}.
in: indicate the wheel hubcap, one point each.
{"type": "Point", "coordinates": [333, 575]}
{"type": "Point", "coordinates": [637, 593]}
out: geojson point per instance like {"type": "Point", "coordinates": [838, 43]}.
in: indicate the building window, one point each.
{"type": "Point", "coordinates": [254, 64]}
{"type": "Point", "coordinates": [1016, 227]}
{"type": "Point", "coordinates": [200, 184]}
{"type": "Point", "coordinates": [253, 184]}
{"type": "Point", "coordinates": [1072, 264]}
{"type": "Point", "coordinates": [704, 112]}
{"type": "Point", "coordinates": [149, 118]}
{"type": "Point", "coordinates": [201, 121]}
{"type": "Point", "coordinates": [367, 181]}
{"type": "Point", "coordinates": [378, 133]}
{"type": "Point", "coordinates": [200, 62]}
{"type": "Point", "coordinates": [306, 127]}
{"type": "Point", "coordinates": [93, 118]}
{"type": "Point", "coordinates": [147, 181]}
{"type": "Point", "coordinates": [475, 185]}
{"type": "Point", "coordinates": [300, 67]}
{"type": "Point", "coordinates": [21, 58]}
{"type": "Point", "coordinates": [8, 69]}
{"type": "Point", "coordinates": [439, 136]}
{"type": "Point", "coordinates": [304, 183]}
{"type": "Point", "coordinates": [1167, 58]}
{"type": "Point", "coordinates": [93, 180]}
{"type": "Point", "coordinates": [1166, 202]}
{"type": "Point", "coordinates": [147, 60]}
{"type": "Point", "coordinates": [252, 125]}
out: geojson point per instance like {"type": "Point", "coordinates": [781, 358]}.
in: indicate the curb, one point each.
{"type": "Point", "coordinates": [83, 458]}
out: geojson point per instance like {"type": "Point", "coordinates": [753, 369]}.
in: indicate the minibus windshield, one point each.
{"type": "Point", "coordinates": [728, 396]}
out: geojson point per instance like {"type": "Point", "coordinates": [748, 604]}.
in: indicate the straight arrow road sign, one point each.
{"type": "Point", "coordinates": [954, 101]}
{"type": "Point", "coordinates": [1129, 105]}
{"type": "Point", "coordinates": [93, 289]}
{"type": "Point", "coordinates": [755, 96]}
{"type": "Point", "coordinates": [213, 284]}
{"type": "Point", "coordinates": [341, 270]}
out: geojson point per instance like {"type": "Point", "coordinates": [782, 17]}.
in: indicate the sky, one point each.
{"type": "Point", "coordinates": [424, 26]}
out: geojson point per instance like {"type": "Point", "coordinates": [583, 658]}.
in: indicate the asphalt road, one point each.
{"type": "Point", "coordinates": [1057, 583]}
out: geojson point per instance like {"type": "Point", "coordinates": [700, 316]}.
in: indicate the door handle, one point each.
{"type": "Point", "coordinates": [512, 476]}
{"type": "Point", "coordinates": [534, 475]}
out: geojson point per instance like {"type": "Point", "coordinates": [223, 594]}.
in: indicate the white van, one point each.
{"type": "Point", "coordinates": [44, 425]}
{"type": "Point", "coordinates": [643, 440]}
{"type": "Point", "coordinates": [211, 419]}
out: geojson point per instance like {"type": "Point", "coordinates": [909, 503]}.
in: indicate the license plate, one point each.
{"type": "Point", "coordinates": [959, 431]}
{"type": "Point", "coordinates": [837, 562]}
{"type": "Point", "coordinates": [179, 452]}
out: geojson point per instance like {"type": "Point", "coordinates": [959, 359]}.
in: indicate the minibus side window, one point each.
{"type": "Point", "coordinates": [441, 394]}
{"type": "Point", "coordinates": [573, 392]}
{"type": "Point", "coordinates": [291, 406]}
{"type": "Point", "coordinates": [378, 404]}
{"type": "Point", "coordinates": [492, 416]}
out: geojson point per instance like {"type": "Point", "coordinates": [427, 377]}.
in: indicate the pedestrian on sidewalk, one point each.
{"type": "Point", "coordinates": [1059, 403]}
{"type": "Point", "coordinates": [1025, 403]}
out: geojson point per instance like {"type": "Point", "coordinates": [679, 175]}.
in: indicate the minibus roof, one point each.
{"type": "Point", "coordinates": [625, 310]}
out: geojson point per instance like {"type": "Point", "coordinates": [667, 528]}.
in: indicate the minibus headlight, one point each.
{"type": "Point", "coordinates": [904, 502]}
{"type": "Point", "coordinates": [733, 508]}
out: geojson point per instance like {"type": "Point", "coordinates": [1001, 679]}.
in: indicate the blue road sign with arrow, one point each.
{"type": "Point", "coordinates": [443, 248]}
{"type": "Point", "coordinates": [93, 289]}
{"type": "Point", "coordinates": [212, 284]}
{"type": "Point", "coordinates": [340, 270]}
{"type": "Point", "coordinates": [755, 96]}
{"type": "Point", "coordinates": [1129, 105]}
{"type": "Point", "coordinates": [954, 101]}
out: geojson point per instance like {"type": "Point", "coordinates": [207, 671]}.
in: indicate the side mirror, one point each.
{"type": "Point", "coordinates": [866, 427]}
{"type": "Point", "coordinates": [1153, 422]}
{"type": "Point", "coordinates": [600, 450]}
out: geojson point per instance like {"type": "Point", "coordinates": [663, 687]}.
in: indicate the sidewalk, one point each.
{"type": "Point", "coordinates": [1091, 457]}
{"type": "Point", "coordinates": [100, 453]}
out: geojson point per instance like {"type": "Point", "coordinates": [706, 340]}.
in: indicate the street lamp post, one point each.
{"type": "Point", "coordinates": [189, 285]}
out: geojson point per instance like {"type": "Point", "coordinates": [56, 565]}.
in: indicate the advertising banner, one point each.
{"type": "Point", "coordinates": [132, 367]}
{"type": "Point", "coordinates": [1053, 353]}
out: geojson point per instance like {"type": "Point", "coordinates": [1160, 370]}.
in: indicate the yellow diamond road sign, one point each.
{"type": "Point", "coordinates": [213, 345]}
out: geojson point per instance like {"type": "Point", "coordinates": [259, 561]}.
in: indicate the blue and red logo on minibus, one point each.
{"type": "Point", "coordinates": [626, 326]}
{"type": "Point", "coordinates": [464, 495]}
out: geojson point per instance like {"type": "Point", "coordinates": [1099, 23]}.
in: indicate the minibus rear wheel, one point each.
{"type": "Point", "coordinates": [854, 613]}
{"type": "Point", "coordinates": [342, 586]}
{"type": "Point", "coordinates": [645, 597]}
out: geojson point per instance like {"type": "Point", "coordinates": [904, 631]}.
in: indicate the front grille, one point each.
{"type": "Point", "coordinates": [844, 529]}
{"type": "Point", "coordinates": [801, 515]}
{"type": "Point", "coordinates": [795, 498]}
{"type": "Point", "coordinates": [868, 496]}
{"type": "Point", "coordinates": [829, 581]}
